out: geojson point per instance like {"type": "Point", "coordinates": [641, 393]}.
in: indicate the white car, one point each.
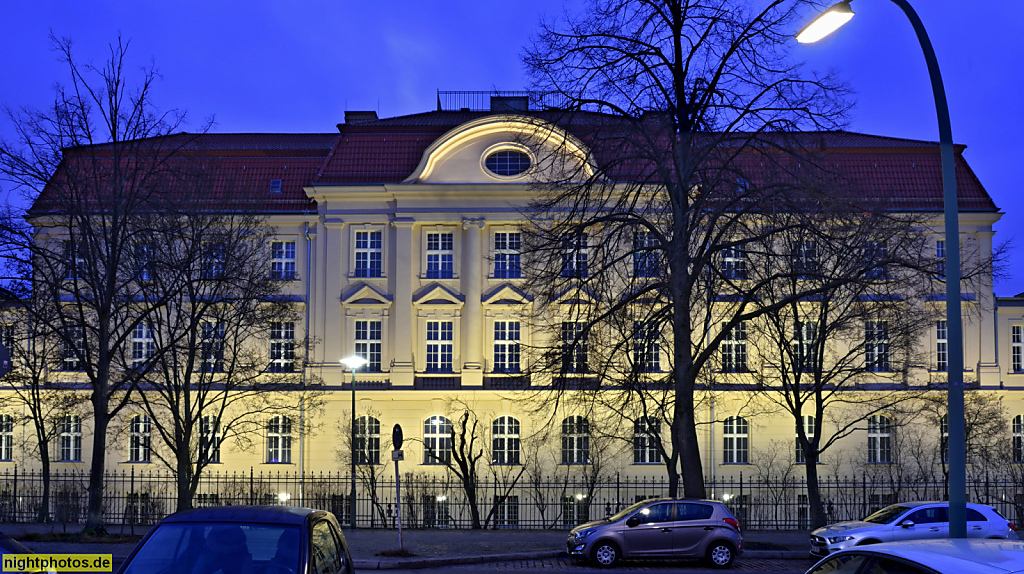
{"type": "Point", "coordinates": [927, 557]}
{"type": "Point", "coordinates": [909, 521]}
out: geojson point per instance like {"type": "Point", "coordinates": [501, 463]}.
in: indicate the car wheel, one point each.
{"type": "Point", "coordinates": [606, 554]}
{"type": "Point", "coordinates": [720, 554]}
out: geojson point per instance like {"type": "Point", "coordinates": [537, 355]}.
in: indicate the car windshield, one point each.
{"type": "Point", "coordinates": [211, 547]}
{"type": "Point", "coordinates": [627, 511]}
{"type": "Point", "coordinates": [887, 514]}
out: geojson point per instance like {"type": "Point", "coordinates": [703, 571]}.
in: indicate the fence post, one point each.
{"type": "Point", "coordinates": [251, 494]}
{"type": "Point", "coordinates": [14, 496]}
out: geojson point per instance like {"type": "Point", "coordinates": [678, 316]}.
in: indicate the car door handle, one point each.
{"type": "Point", "coordinates": [933, 530]}
{"type": "Point", "coordinates": [666, 530]}
{"type": "Point", "coordinates": [975, 528]}
{"type": "Point", "coordinates": [709, 528]}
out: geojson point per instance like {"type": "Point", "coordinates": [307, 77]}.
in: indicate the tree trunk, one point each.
{"type": "Point", "coordinates": [818, 516]}
{"type": "Point", "coordinates": [94, 517]}
{"type": "Point", "coordinates": [43, 513]}
{"type": "Point", "coordinates": [184, 478]}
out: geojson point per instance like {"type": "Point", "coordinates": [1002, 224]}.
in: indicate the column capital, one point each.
{"type": "Point", "coordinates": [468, 223]}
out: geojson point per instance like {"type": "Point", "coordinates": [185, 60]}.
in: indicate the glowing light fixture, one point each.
{"type": "Point", "coordinates": [829, 21]}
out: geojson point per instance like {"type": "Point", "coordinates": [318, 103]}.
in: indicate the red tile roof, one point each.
{"type": "Point", "coordinates": [905, 172]}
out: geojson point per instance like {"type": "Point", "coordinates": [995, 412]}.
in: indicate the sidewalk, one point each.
{"type": "Point", "coordinates": [433, 548]}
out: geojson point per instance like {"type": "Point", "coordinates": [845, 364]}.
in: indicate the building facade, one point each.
{"type": "Point", "coordinates": [399, 240]}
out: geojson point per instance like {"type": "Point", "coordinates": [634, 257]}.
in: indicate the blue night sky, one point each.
{"type": "Point", "coordinates": [263, 66]}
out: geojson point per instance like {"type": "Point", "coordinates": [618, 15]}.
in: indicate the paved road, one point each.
{"type": "Point", "coordinates": [566, 565]}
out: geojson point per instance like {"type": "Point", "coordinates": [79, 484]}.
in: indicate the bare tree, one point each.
{"type": "Point", "coordinates": [686, 104]}
{"type": "Point", "coordinates": [218, 376]}
{"type": "Point", "coordinates": [34, 353]}
{"type": "Point", "coordinates": [89, 164]}
{"type": "Point", "coordinates": [370, 471]}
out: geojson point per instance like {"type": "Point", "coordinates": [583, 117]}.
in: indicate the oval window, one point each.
{"type": "Point", "coordinates": [507, 162]}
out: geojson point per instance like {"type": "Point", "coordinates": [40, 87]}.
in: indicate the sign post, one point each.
{"type": "Point", "coordinates": [396, 455]}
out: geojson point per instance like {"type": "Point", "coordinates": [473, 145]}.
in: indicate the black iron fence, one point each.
{"type": "Point", "coordinates": [440, 502]}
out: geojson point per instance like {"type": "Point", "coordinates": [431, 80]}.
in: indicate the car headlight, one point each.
{"type": "Point", "coordinates": [834, 539]}
{"type": "Point", "coordinates": [584, 533]}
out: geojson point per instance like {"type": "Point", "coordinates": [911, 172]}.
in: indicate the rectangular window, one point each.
{"type": "Point", "coordinates": [282, 260]}
{"type": "Point", "coordinates": [6, 437]}
{"type": "Point", "coordinates": [941, 346]}
{"type": "Point", "coordinates": [212, 261]}
{"type": "Point", "coordinates": [646, 260]}
{"type": "Point", "coordinates": [574, 347]}
{"type": "Point", "coordinates": [72, 348]}
{"type": "Point", "coordinates": [808, 420]}
{"type": "Point", "coordinates": [279, 440]}
{"type": "Point", "coordinates": [74, 261]}
{"type": "Point", "coordinates": [209, 439]}
{"type": "Point", "coordinates": [440, 337]}
{"type": "Point", "coordinates": [368, 344]}
{"type": "Point", "coordinates": [506, 346]}
{"type": "Point", "coordinates": [876, 347]}
{"type": "Point", "coordinates": [507, 253]}
{"type": "Point", "coordinates": [574, 255]}
{"type": "Point", "coordinates": [734, 349]}
{"type": "Point", "coordinates": [646, 347]}
{"type": "Point", "coordinates": [143, 345]}
{"type": "Point", "coordinates": [144, 253]}
{"type": "Point", "coordinates": [282, 347]}
{"type": "Point", "coordinates": [940, 258]}
{"type": "Point", "coordinates": [805, 346]}
{"type": "Point", "coordinates": [734, 262]}
{"type": "Point", "coordinates": [804, 259]}
{"type": "Point", "coordinates": [69, 440]}
{"type": "Point", "coordinates": [440, 255]}
{"type": "Point", "coordinates": [369, 253]}
{"type": "Point", "coordinates": [646, 437]}
{"type": "Point", "coordinates": [875, 255]}
{"type": "Point", "coordinates": [1017, 348]}
{"type": "Point", "coordinates": [7, 333]}
{"type": "Point", "coordinates": [367, 445]}
{"type": "Point", "coordinates": [213, 346]}
{"type": "Point", "coordinates": [506, 511]}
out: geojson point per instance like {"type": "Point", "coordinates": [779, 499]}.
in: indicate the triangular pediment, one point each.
{"type": "Point", "coordinates": [575, 296]}
{"type": "Point", "coordinates": [439, 295]}
{"type": "Point", "coordinates": [506, 295]}
{"type": "Point", "coordinates": [366, 296]}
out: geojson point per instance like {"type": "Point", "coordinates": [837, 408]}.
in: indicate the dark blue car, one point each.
{"type": "Point", "coordinates": [243, 540]}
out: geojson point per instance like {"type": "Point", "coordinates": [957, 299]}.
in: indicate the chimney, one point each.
{"type": "Point", "coordinates": [360, 117]}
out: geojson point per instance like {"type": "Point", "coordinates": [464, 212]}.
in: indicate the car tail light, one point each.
{"type": "Point", "coordinates": [1011, 526]}
{"type": "Point", "coordinates": [732, 522]}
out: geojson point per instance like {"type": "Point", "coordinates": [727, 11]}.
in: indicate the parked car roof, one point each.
{"type": "Point", "coordinates": [245, 514]}
{"type": "Point", "coordinates": [950, 556]}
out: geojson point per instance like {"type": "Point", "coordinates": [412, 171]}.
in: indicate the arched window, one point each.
{"type": "Point", "coordinates": [6, 437]}
{"type": "Point", "coordinates": [69, 439]}
{"type": "Point", "coordinates": [808, 421]}
{"type": "Point", "coordinates": [209, 439]}
{"type": "Point", "coordinates": [367, 444]}
{"type": "Point", "coordinates": [139, 435]}
{"type": "Point", "coordinates": [575, 440]}
{"type": "Point", "coordinates": [1018, 438]}
{"type": "Point", "coordinates": [279, 439]}
{"type": "Point", "coordinates": [879, 439]}
{"type": "Point", "coordinates": [736, 440]}
{"type": "Point", "coordinates": [646, 432]}
{"type": "Point", "coordinates": [437, 440]}
{"type": "Point", "coordinates": [505, 440]}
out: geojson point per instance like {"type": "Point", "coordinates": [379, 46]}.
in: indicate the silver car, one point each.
{"type": "Point", "coordinates": [928, 557]}
{"type": "Point", "coordinates": [661, 528]}
{"type": "Point", "coordinates": [909, 521]}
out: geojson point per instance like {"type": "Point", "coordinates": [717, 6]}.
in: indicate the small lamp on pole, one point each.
{"type": "Point", "coordinates": [354, 363]}
{"type": "Point", "coordinates": [822, 26]}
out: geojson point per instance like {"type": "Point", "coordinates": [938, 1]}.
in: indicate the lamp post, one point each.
{"type": "Point", "coordinates": [353, 363]}
{"type": "Point", "coordinates": [822, 26]}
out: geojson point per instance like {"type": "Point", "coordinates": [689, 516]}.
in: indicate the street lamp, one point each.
{"type": "Point", "coordinates": [353, 363]}
{"type": "Point", "coordinates": [828, 22]}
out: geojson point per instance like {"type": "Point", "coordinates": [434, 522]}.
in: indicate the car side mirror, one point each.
{"type": "Point", "coordinates": [632, 521]}
{"type": "Point", "coordinates": [907, 523]}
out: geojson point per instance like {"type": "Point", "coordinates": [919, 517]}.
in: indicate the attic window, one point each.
{"type": "Point", "coordinates": [507, 162]}
{"type": "Point", "coordinates": [275, 186]}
